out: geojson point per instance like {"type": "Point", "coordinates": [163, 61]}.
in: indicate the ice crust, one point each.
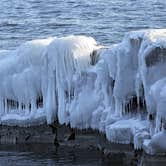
{"type": "Point", "coordinates": [120, 90]}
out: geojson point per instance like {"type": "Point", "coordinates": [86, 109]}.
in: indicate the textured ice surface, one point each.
{"type": "Point", "coordinates": [128, 131]}
{"type": "Point", "coordinates": [120, 90]}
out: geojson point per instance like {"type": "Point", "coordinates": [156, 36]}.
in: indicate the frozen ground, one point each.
{"type": "Point", "coordinates": [120, 90]}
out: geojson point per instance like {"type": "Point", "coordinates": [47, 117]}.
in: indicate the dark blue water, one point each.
{"type": "Point", "coordinates": [49, 155]}
{"type": "Point", "coordinates": [105, 20]}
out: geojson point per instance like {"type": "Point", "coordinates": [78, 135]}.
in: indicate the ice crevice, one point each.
{"type": "Point", "coordinates": [119, 90]}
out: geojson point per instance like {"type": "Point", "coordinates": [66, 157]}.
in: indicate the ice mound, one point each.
{"type": "Point", "coordinates": [39, 74]}
{"type": "Point", "coordinates": [137, 68]}
{"type": "Point", "coordinates": [20, 72]}
{"type": "Point", "coordinates": [68, 57]}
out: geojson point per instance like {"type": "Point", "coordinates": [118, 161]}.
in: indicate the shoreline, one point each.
{"type": "Point", "coordinates": [84, 139]}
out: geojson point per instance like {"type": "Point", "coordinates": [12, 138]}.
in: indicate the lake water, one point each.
{"type": "Point", "coordinates": [49, 155]}
{"type": "Point", "coordinates": [105, 20]}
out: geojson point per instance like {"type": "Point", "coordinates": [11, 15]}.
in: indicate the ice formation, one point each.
{"type": "Point", "coordinates": [120, 90]}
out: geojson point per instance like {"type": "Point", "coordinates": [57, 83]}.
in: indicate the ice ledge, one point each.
{"type": "Point", "coordinates": [128, 131]}
{"type": "Point", "coordinates": [33, 119]}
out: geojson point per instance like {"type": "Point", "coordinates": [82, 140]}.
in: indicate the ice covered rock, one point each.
{"type": "Point", "coordinates": [128, 131]}
{"type": "Point", "coordinates": [67, 56]}
{"type": "Point", "coordinates": [114, 90]}
{"type": "Point", "coordinates": [157, 145]}
{"type": "Point", "coordinates": [40, 73]}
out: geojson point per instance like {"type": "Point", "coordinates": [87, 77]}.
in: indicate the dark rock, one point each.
{"type": "Point", "coordinates": [72, 136]}
{"type": "Point", "coordinates": [28, 137]}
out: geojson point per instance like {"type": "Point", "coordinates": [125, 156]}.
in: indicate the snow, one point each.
{"type": "Point", "coordinates": [120, 90]}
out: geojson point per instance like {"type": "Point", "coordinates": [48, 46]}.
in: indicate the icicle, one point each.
{"type": "Point", "coordinates": [137, 89]}
{"type": "Point", "coordinates": [130, 106]}
{"type": "Point", "coordinates": [123, 107]}
{"type": "Point", "coordinates": [118, 108]}
{"type": "Point", "coordinates": [6, 107]}
{"type": "Point", "coordinates": [51, 100]}
{"type": "Point", "coordinates": [158, 124]}
{"type": "Point", "coordinates": [1, 106]}
{"type": "Point", "coordinates": [19, 106]}
{"type": "Point", "coordinates": [27, 111]}
{"type": "Point", "coordinates": [33, 105]}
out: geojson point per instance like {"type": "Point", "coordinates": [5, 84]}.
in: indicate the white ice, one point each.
{"type": "Point", "coordinates": [120, 90]}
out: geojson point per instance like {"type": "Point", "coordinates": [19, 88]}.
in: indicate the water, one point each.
{"type": "Point", "coordinates": [49, 155]}
{"type": "Point", "coordinates": [105, 20]}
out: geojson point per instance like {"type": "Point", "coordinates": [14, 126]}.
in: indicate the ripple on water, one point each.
{"type": "Point", "coordinates": [106, 21]}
